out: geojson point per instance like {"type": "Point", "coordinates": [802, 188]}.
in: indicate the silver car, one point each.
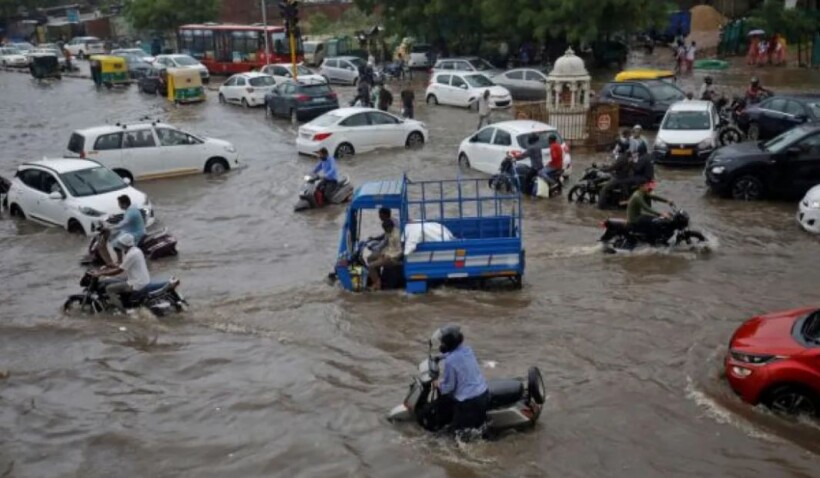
{"type": "Point", "coordinates": [342, 69]}
{"type": "Point", "coordinates": [525, 84]}
{"type": "Point", "coordinates": [471, 64]}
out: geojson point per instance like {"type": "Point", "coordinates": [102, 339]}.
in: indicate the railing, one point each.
{"type": "Point", "coordinates": [596, 127]}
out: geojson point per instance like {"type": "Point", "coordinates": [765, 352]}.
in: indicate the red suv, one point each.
{"type": "Point", "coordinates": [774, 359]}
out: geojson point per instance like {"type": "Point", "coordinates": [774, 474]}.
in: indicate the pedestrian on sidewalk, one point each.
{"type": "Point", "coordinates": [690, 56]}
{"type": "Point", "coordinates": [407, 100]}
{"type": "Point", "coordinates": [483, 109]}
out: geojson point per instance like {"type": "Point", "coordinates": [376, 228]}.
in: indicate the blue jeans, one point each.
{"type": "Point", "coordinates": [545, 172]}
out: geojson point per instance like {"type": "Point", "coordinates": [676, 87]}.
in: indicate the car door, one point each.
{"type": "Point", "coordinates": [535, 85]}
{"type": "Point", "coordinates": [276, 99]}
{"type": "Point", "coordinates": [772, 116]}
{"type": "Point", "coordinates": [386, 130]}
{"type": "Point", "coordinates": [802, 166]}
{"type": "Point", "coordinates": [621, 94]}
{"type": "Point", "coordinates": [54, 211]}
{"type": "Point", "coordinates": [286, 100]}
{"type": "Point", "coordinates": [280, 74]}
{"type": "Point", "coordinates": [227, 88]}
{"type": "Point", "coordinates": [349, 71]}
{"type": "Point", "coordinates": [513, 80]}
{"type": "Point", "coordinates": [442, 88]}
{"type": "Point", "coordinates": [641, 102]}
{"type": "Point", "coordinates": [459, 91]}
{"type": "Point", "coordinates": [107, 150]}
{"type": "Point", "coordinates": [140, 153]}
{"type": "Point", "coordinates": [355, 129]}
{"type": "Point", "coordinates": [238, 89]}
{"type": "Point", "coordinates": [795, 114]}
{"type": "Point", "coordinates": [480, 150]}
{"type": "Point", "coordinates": [31, 194]}
{"type": "Point", "coordinates": [180, 152]}
{"type": "Point", "coordinates": [329, 69]}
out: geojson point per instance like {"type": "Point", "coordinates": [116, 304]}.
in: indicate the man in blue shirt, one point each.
{"type": "Point", "coordinates": [327, 171]}
{"type": "Point", "coordinates": [132, 223]}
{"type": "Point", "coordinates": [461, 378]}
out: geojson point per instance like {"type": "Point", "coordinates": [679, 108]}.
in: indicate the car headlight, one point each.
{"type": "Point", "coordinates": [229, 148]}
{"type": "Point", "coordinates": [705, 144]}
{"type": "Point", "coordinates": [718, 170]}
{"type": "Point", "coordinates": [755, 359]}
{"type": "Point", "coordinates": [90, 211]}
{"type": "Point", "coordinates": [659, 144]}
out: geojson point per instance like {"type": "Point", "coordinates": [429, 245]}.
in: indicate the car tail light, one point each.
{"type": "Point", "coordinates": [333, 96]}
{"type": "Point", "coordinates": [302, 97]}
{"type": "Point", "coordinates": [249, 89]}
{"type": "Point", "coordinates": [321, 136]}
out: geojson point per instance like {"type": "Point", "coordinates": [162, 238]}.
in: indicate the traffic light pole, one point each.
{"type": "Point", "coordinates": [290, 12]}
{"type": "Point", "coordinates": [265, 32]}
{"type": "Point", "coordinates": [293, 53]}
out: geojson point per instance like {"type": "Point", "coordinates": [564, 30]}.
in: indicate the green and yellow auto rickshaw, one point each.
{"type": "Point", "coordinates": [109, 70]}
{"type": "Point", "coordinates": [184, 85]}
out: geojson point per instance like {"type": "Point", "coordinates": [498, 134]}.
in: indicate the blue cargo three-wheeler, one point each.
{"type": "Point", "coordinates": [452, 230]}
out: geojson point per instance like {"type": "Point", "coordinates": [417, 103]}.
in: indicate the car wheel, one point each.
{"type": "Point", "coordinates": [432, 100]}
{"type": "Point", "coordinates": [414, 140]}
{"type": "Point", "coordinates": [294, 116]}
{"type": "Point", "coordinates": [221, 99]}
{"type": "Point", "coordinates": [463, 161]}
{"type": "Point", "coordinates": [747, 188]}
{"type": "Point", "coordinates": [75, 227]}
{"type": "Point", "coordinates": [344, 150]}
{"type": "Point", "coordinates": [753, 133]}
{"type": "Point", "coordinates": [125, 175]}
{"type": "Point", "coordinates": [245, 103]}
{"type": "Point", "coordinates": [217, 166]}
{"type": "Point", "coordinates": [17, 212]}
{"type": "Point", "coordinates": [793, 400]}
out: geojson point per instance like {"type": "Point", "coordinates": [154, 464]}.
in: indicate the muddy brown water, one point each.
{"type": "Point", "coordinates": [275, 373]}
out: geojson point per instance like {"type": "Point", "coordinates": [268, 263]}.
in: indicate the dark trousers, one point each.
{"type": "Point", "coordinates": [408, 111]}
{"type": "Point", "coordinates": [471, 414]}
{"type": "Point", "coordinates": [603, 196]}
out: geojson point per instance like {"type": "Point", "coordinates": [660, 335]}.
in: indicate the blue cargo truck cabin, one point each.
{"type": "Point", "coordinates": [483, 237]}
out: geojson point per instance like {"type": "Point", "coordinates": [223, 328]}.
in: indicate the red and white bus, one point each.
{"type": "Point", "coordinates": [228, 48]}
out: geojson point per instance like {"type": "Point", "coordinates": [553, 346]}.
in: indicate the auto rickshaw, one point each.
{"type": "Point", "coordinates": [44, 65]}
{"type": "Point", "coordinates": [109, 70]}
{"type": "Point", "coordinates": [645, 74]}
{"type": "Point", "coordinates": [184, 85]}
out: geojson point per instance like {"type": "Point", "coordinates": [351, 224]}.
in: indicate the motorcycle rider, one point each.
{"type": "Point", "coordinates": [756, 92]}
{"type": "Point", "coordinates": [462, 380]}
{"type": "Point", "coordinates": [132, 223]}
{"type": "Point", "coordinates": [328, 172]}
{"type": "Point", "coordinates": [643, 170]}
{"type": "Point", "coordinates": [621, 170]}
{"type": "Point", "coordinates": [389, 255]}
{"type": "Point", "coordinates": [639, 213]}
{"type": "Point", "coordinates": [707, 92]}
{"type": "Point", "coordinates": [637, 139]}
{"type": "Point", "coordinates": [362, 93]}
{"type": "Point", "coordinates": [133, 266]}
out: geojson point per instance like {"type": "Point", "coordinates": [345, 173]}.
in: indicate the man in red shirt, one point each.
{"type": "Point", "coordinates": [556, 154]}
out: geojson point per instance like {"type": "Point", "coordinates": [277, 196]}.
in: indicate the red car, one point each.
{"type": "Point", "coordinates": [774, 359]}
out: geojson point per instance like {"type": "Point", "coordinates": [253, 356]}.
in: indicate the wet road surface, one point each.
{"type": "Point", "coordinates": [275, 373]}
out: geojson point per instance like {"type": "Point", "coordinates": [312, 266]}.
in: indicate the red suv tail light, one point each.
{"type": "Point", "coordinates": [321, 136]}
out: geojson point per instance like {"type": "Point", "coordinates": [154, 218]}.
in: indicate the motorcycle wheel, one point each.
{"type": "Point", "coordinates": [82, 304]}
{"type": "Point", "coordinates": [730, 135]}
{"type": "Point", "coordinates": [687, 236]}
{"type": "Point", "coordinates": [576, 194]}
{"type": "Point", "coordinates": [535, 385]}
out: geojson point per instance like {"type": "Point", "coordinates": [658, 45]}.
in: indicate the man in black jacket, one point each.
{"type": "Point", "coordinates": [621, 170]}
{"type": "Point", "coordinates": [643, 170]}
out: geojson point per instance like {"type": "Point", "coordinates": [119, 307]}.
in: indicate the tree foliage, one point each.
{"type": "Point", "coordinates": [318, 24]}
{"type": "Point", "coordinates": [795, 24]}
{"type": "Point", "coordinates": [167, 15]}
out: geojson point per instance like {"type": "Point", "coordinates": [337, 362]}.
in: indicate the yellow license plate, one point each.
{"type": "Point", "coordinates": [681, 152]}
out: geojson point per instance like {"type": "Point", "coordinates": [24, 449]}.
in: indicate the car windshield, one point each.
{"type": "Point", "coordinates": [478, 81]}
{"type": "Point", "coordinates": [780, 143]}
{"type": "Point", "coordinates": [686, 120]}
{"type": "Point", "coordinates": [9, 51]}
{"type": "Point", "coordinates": [89, 182]}
{"type": "Point", "coordinates": [262, 81]}
{"type": "Point", "coordinates": [481, 65]}
{"type": "Point", "coordinates": [357, 62]}
{"type": "Point", "coordinates": [543, 139]}
{"type": "Point", "coordinates": [185, 61]}
{"type": "Point", "coordinates": [316, 90]}
{"type": "Point", "coordinates": [663, 91]}
{"type": "Point", "coordinates": [326, 120]}
{"type": "Point", "coordinates": [309, 47]}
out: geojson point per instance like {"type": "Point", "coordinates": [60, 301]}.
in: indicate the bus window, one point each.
{"type": "Point", "coordinates": [186, 41]}
{"type": "Point", "coordinates": [198, 44]}
{"type": "Point", "coordinates": [208, 43]}
{"type": "Point", "coordinates": [281, 44]}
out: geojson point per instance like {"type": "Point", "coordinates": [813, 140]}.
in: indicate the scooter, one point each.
{"type": "Point", "coordinates": [311, 197]}
{"type": "Point", "coordinates": [619, 235]}
{"type": "Point", "coordinates": [161, 298]}
{"type": "Point", "coordinates": [515, 403]}
{"type": "Point", "coordinates": [513, 176]}
{"type": "Point", "coordinates": [154, 245]}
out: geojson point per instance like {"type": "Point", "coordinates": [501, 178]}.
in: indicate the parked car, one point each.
{"type": "Point", "coordinates": [342, 69]}
{"type": "Point", "coordinates": [21, 46]}
{"type": "Point", "coordinates": [421, 55]}
{"type": "Point", "coordinates": [299, 101]}
{"type": "Point", "coordinates": [282, 72]}
{"type": "Point", "coordinates": [774, 359]}
{"type": "Point", "coordinates": [137, 52]}
{"type": "Point", "coordinates": [527, 84]}
{"type": "Point", "coordinates": [83, 47]}
{"type": "Point", "coordinates": [154, 82]}
{"type": "Point", "coordinates": [485, 149]}
{"type": "Point", "coordinates": [788, 166]}
{"type": "Point", "coordinates": [137, 66]}
{"type": "Point", "coordinates": [808, 213]}
{"type": "Point", "coordinates": [152, 150]}
{"type": "Point", "coordinates": [184, 62]}
{"type": "Point", "coordinates": [314, 52]}
{"type": "Point", "coordinates": [777, 114]}
{"type": "Point", "coordinates": [12, 57]}
{"type": "Point", "coordinates": [463, 89]}
{"type": "Point", "coordinates": [688, 133]}
{"type": "Point", "coordinates": [348, 131]}
{"type": "Point", "coordinates": [468, 63]}
{"type": "Point", "coordinates": [641, 102]}
{"type": "Point", "coordinates": [70, 193]}
{"type": "Point", "coordinates": [246, 89]}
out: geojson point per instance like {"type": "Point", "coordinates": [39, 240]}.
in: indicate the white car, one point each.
{"type": "Point", "coordinates": [183, 61]}
{"type": "Point", "coordinates": [808, 214]}
{"type": "Point", "coordinates": [342, 69]}
{"type": "Point", "coordinates": [485, 149]}
{"type": "Point", "coordinates": [420, 56]}
{"type": "Point", "coordinates": [281, 72]}
{"type": "Point", "coordinates": [70, 193]}
{"type": "Point", "coordinates": [246, 89]}
{"type": "Point", "coordinates": [12, 57]}
{"type": "Point", "coordinates": [463, 89]}
{"type": "Point", "coordinates": [348, 131]}
{"type": "Point", "coordinates": [688, 133]}
{"type": "Point", "coordinates": [82, 47]}
{"type": "Point", "coordinates": [468, 64]}
{"type": "Point", "coordinates": [152, 150]}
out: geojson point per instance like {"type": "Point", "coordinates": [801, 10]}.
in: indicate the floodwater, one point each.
{"type": "Point", "coordinates": [274, 372]}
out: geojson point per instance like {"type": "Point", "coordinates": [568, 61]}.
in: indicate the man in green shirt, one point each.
{"type": "Point", "coordinates": [639, 212]}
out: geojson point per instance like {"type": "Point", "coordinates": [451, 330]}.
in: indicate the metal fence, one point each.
{"type": "Point", "coordinates": [596, 127]}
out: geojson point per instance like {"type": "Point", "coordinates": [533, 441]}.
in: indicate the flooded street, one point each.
{"type": "Point", "coordinates": [274, 372]}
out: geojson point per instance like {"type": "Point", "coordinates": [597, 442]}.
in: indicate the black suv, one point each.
{"type": "Point", "coordinates": [641, 102]}
{"type": "Point", "coordinates": [787, 166]}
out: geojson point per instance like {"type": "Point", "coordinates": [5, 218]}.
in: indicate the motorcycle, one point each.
{"type": "Point", "coordinates": [311, 197]}
{"type": "Point", "coordinates": [513, 176]}
{"type": "Point", "coordinates": [514, 403]}
{"type": "Point", "coordinates": [728, 130]}
{"type": "Point", "coordinates": [619, 235]}
{"type": "Point", "coordinates": [589, 186]}
{"type": "Point", "coordinates": [154, 245]}
{"type": "Point", "coordinates": [160, 298]}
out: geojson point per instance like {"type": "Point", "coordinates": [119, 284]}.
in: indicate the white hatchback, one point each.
{"type": "Point", "coordinates": [282, 72]}
{"type": "Point", "coordinates": [183, 61]}
{"type": "Point", "coordinates": [246, 89]}
{"type": "Point", "coordinates": [347, 131]}
{"type": "Point", "coordinates": [485, 149]}
{"type": "Point", "coordinates": [808, 213]}
{"type": "Point", "coordinates": [70, 193]}
{"type": "Point", "coordinates": [463, 89]}
{"type": "Point", "coordinates": [152, 150]}
{"type": "Point", "coordinates": [688, 133]}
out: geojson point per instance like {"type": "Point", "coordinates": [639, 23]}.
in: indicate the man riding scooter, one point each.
{"type": "Point", "coordinates": [328, 172]}
{"type": "Point", "coordinates": [132, 223]}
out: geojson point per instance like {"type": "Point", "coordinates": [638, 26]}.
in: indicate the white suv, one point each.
{"type": "Point", "coordinates": [70, 193]}
{"type": "Point", "coordinates": [82, 47]}
{"type": "Point", "coordinates": [152, 150]}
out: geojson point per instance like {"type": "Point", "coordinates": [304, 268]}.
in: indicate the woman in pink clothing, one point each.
{"type": "Point", "coordinates": [751, 56]}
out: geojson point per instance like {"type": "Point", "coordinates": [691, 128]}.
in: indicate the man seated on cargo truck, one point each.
{"type": "Point", "coordinates": [384, 215]}
{"type": "Point", "coordinates": [388, 256]}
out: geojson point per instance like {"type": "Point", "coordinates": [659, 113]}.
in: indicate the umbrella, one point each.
{"type": "Point", "coordinates": [756, 32]}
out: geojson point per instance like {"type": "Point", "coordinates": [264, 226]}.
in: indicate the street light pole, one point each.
{"type": "Point", "coordinates": [265, 31]}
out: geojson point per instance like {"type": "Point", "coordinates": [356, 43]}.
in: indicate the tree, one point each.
{"type": "Point", "coordinates": [318, 24]}
{"type": "Point", "coordinates": [167, 15]}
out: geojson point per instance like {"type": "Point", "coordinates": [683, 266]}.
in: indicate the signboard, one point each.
{"type": "Point", "coordinates": [604, 122]}
{"type": "Point", "coordinates": [72, 15]}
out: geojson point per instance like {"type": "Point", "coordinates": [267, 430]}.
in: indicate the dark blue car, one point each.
{"type": "Point", "coordinates": [778, 114]}
{"type": "Point", "coordinates": [299, 101]}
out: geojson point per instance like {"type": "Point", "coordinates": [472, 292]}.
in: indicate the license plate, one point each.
{"type": "Point", "coordinates": [681, 152]}
{"type": "Point", "coordinates": [317, 100]}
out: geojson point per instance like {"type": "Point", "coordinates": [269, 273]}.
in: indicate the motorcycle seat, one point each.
{"type": "Point", "coordinates": [152, 287]}
{"type": "Point", "coordinates": [616, 222]}
{"type": "Point", "coordinates": [504, 392]}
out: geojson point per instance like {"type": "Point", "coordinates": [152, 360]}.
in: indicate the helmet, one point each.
{"type": "Point", "coordinates": [448, 337]}
{"type": "Point", "coordinates": [708, 80]}
{"type": "Point", "coordinates": [755, 81]}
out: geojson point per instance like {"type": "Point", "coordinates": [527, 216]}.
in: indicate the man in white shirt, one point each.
{"type": "Point", "coordinates": [133, 266]}
{"type": "Point", "coordinates": [483, 109]}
